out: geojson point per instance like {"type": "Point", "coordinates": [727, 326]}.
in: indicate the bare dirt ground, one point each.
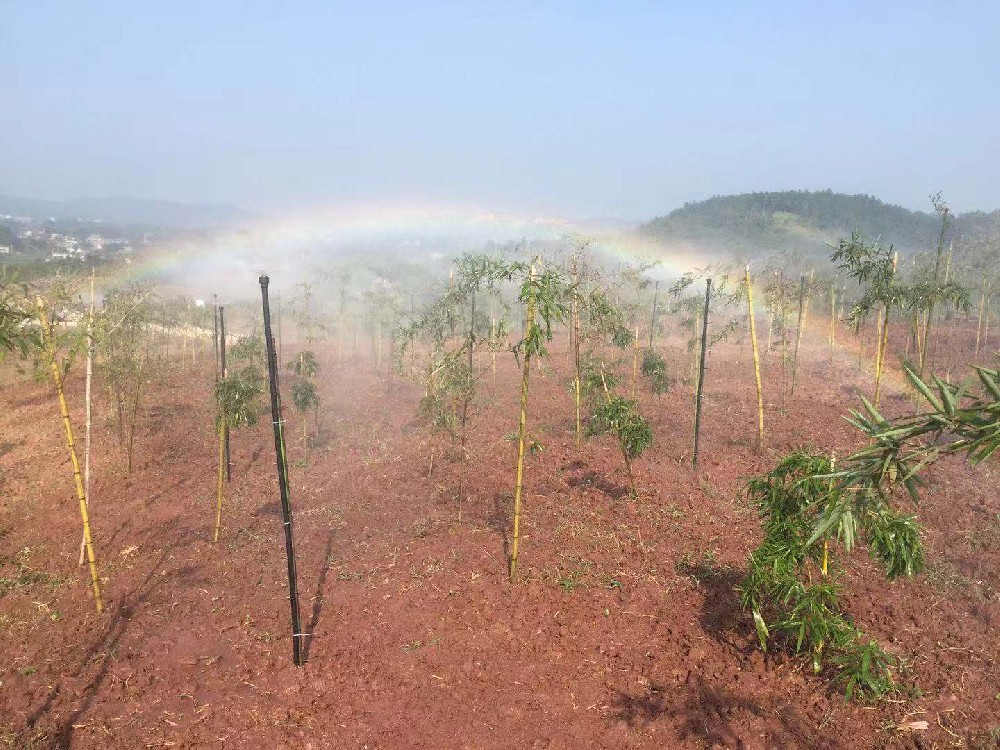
{"type": "Point", "coordinates": [625, 631]}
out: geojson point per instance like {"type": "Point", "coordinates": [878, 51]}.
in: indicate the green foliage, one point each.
{"type": "Point", "coordinates": [786, 588]}
{"type": "Point", "coordinates": [654, 367]}
{"type": "Point", "coordinates": [874, 268]}
{"type": "Point", "coordinates": [794, 221]}
{"type": "Point", "coordinates": [304, 365]}
{"type": "Point", "coordinates": [547, 291]}
{"type": "Point", "coordinates": [448, 385]}
{"type": "Point", "coordinates": [596, 377]}
{"type": "Point", "coordinates": [804, 503]}
{"type": "Point", "coordinates": [239, 397]}
{"type": "Point", "coordinates": [304, 395]}
{"type": "Point", "coordinates": [621, 417]}
{"type": "Point", "coordinates": [959, 421]}
{"type": "Point", "coordinates": [606, 319]}
{"type": "Point", "coordinates": [249, 349]}
{"type": "Point", "coordinates": [18, 331]}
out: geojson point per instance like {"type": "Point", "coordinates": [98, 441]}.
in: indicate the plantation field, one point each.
{"type": "Point", "coordinates": [624, 631]}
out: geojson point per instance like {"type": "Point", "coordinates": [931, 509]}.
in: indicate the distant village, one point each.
{"type": "Point", "coordinates": [25, 239]}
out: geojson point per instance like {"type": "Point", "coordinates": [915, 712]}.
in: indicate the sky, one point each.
{"type": "Point", "coordinates": [580, 109]}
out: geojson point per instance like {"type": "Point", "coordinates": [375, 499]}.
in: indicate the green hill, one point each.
{"type": "Point", "coordinates": [803, 222]}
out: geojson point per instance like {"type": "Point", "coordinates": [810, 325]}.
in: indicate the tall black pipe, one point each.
{"type": "Point", "coordinates": [701, 371]}
{"type": "Point", "coordinates": [279, 452]}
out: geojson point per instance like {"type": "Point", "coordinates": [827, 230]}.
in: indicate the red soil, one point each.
{"type": "Point", "coordinates": [625, 631]}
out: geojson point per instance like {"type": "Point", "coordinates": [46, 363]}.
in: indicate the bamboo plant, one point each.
{"type": "Point", "coordinates": [238, 398]}
{"type": "Point", "coordinates": [873, 266]}
{"type": "Point", "coordinates": [123, 348]}
{"type": "Point", "coordinates": [543, 292]}
{"type": "Point", "coordinates": [617, 415]}
{"type": "Point", "coordinates": [793, 580]}
{"type": "Point", "coordinates": [304, 395]}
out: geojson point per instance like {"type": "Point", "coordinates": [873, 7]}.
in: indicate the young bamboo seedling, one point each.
{"type": "Point", "coordinates": [621, 417]}
{"type": "Point", "coordinates": [238, 405]}
{"type": "Point", "coordinates": [304, 395]}
{"type": "Point", "coordinates": [543, 292]}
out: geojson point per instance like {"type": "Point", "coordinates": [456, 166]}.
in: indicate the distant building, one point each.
{"type": "Point", "coordinates": [4, 249]}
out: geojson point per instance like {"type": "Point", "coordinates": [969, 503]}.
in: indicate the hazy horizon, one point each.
{"type": "Point", "coordinates": [559, 109]}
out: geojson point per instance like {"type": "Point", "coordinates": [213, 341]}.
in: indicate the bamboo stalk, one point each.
{"type": "Point", "coordinates": [982, 306]}
{"type": "Point", "coordinates": [43, 319]}
{"type": "Point", "coordinates": [88, 411]}
{"type": "Point", "coordinates": [521, 436]}
{"type": "Point", "coordinates": [756, 360]}
{"type": "Point", "coordinates": [880, 363]}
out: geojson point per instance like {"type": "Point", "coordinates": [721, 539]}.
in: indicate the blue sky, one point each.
{"type": "Point", "coordinates": [584, 109]}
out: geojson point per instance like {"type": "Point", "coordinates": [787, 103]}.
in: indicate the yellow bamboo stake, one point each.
{"type": "Point", "coordinates": [220, 486]}
{"type": "Point", "coordinates": [521, 435]}
{"type": "Point", "coordinates": [826, 542]}
{"type": "Point", "coordinates": [756, 361]}
{"type": "Point", "coordinates": [87, 411]}
{"type": "Point", "coordinates": [982, 306]}
{"type": "Point", "coordinates": [878, 355]}
{"type": "Point", "coordinates": [78, 480]}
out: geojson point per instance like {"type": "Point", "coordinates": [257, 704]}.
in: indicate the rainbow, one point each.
{"type": "Point", "coordinates": [229, 262]}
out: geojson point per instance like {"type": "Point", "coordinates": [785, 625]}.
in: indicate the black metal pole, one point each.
{"type": "Point", "coordinates": [701, 371]}
{"type": "Point", "coordinates": [279, 452]}
{"type": "Point", "coordinates": [222, 359]}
